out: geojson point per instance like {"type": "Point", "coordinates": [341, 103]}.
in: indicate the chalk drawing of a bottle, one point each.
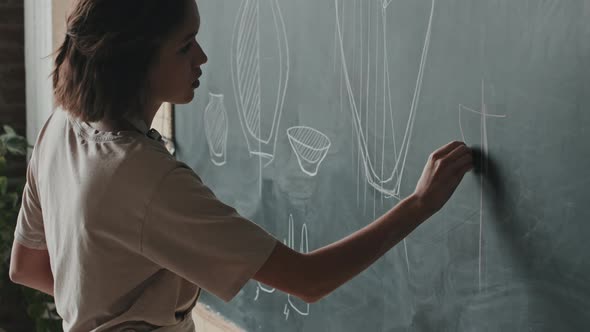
{"type": "Point", "coordinates": [483, 114]}
{"type": "Point", "coordinates": [302, 308]}
{"type": "Point", "coordinates": [292, 303]}
{"type": "Point", "coordinates": [310, 147]}
{"type": "Point", "coordinates": [367, 69]}
{"type": "Point", "coordinates": [260, 71]}
{"type": "Point", "coordinates": [216, 128]}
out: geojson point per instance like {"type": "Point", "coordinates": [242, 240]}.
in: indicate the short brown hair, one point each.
{"type": "Point", "coordinates": [102, 67]}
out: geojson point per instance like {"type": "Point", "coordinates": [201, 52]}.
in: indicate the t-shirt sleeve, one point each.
{"type": "Point", "coordinates": [29, 230]}
{"type": "Point", "coordinates": [188, 231]}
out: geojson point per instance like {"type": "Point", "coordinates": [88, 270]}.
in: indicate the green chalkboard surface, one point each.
{"type": "Point", "coordinates": [315, 117]}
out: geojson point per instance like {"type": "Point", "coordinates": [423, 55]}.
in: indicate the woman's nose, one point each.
{"type": "Point", "coordinates": [201, 57]}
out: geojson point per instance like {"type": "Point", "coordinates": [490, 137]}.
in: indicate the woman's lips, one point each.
{"type": "Point", "coordinates": [196, 82]}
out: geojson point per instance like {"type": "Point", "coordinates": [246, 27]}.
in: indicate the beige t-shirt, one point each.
{"type": "Point", "coordinates": [132, 233]}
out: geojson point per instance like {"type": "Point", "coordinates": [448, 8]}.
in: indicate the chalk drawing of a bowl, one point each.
{"type": "Point", "coordinates": [216, 128]}
{"type": "Point", "coordinates": [310, 147]}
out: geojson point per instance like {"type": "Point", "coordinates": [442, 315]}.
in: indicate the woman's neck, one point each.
{"type": "Point", "coordinates": [108, 124]}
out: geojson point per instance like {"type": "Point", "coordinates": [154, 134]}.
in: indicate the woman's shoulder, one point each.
{"type": "Point", "coordinates": [152, 156]}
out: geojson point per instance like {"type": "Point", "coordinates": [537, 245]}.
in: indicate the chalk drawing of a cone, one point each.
{"type": "Point", "coordinates": [216, 128]}
{"type": "Point", "coordinates": [260, 71]}
{"type": "Point", "coordinates": [310, 147]}
{"type": "Point", "coordinates": [368, 71]}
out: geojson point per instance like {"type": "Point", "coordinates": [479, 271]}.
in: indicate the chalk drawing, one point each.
{"type": "Point", "coordinates": [292, 303]}
{"type": "Point", "coordinates": [484, 115]}
{"type": "Point", "coordinates": [216, 128]}
{"type": "Point", "coordinates": [310, 147]}
{"type": "Point", "coordinates": [259, 111]}
{"type": "Point", "coordinates": [384, 178]}
{"type": "Point", "coordinates": [302, 309]}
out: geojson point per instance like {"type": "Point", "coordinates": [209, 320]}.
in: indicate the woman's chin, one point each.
{"type": "Point", "coordinates": [185, 99]}
{"type": "Point", "coordinates": [190, 97]}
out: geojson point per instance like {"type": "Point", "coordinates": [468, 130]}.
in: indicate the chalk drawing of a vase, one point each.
{"type": "Point", "coordinates": [216, 128]}
{"type": "Point", "coordinates": [310, 147]}
{"type": "Point", "coordinates": [382, 46]}
{"type": "Point", "coordinates": [260, 71]}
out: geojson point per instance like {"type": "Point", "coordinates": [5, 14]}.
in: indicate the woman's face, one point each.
{"type": "Point", "coordinates": [175, 76]}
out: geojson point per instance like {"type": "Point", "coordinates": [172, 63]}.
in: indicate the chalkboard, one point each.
{"type": "Point", "coordinates": [315, 117]}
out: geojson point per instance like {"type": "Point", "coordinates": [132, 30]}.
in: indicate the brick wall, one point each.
{"type": "Point", "coordinates": [12, 74]}
{"type": "Point", "coordinates": [12, 112]}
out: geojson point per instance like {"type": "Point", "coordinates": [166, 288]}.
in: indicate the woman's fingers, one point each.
{"type": "Point", "coordinates": [446, 149]}
{"type": "Point", "coordinates": [464, 164]}
{"type": "Point", "coordinates": [458, 153]}
{"type": "Point", "coordinates": [442, 174]}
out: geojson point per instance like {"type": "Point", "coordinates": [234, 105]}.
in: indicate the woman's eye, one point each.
{"type": "Point", "coordinates": [186, 48]}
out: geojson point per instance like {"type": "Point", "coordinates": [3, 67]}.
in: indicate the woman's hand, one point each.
{"type": "Point", "coordinates": [442, 174]}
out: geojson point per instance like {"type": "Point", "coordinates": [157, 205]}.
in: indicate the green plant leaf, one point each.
{"type": "Point", "coordinates": [12, 142]}
{"type": "Point", "coordinates": [9, 130]}
{"type": "Point", "coordinates": [17, 145]}
{"type": "Point", "coordinates": [45, 318]}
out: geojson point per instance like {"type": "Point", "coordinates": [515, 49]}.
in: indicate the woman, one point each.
{"type": "Point", "coordinates": [122, 234]}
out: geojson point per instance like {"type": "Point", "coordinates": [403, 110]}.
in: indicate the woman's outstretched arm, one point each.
{"type": "Point", "coordinates": [314, 275]}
